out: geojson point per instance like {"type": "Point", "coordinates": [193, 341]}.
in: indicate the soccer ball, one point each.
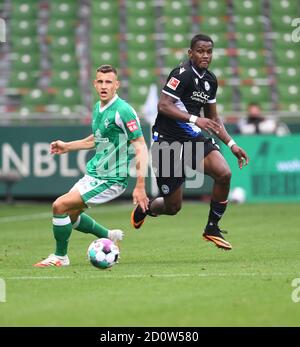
{"type": "Point", "coordinates": [103, 253]}
{"type": "Point", "coordinates": [238, 195]}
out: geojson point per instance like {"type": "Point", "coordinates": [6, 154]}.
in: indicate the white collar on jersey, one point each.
{"type": "Point", "coordinates": [197, 73]}
{"type": "Point", "coordinates": [107, 105]}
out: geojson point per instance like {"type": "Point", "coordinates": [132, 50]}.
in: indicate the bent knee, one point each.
{"type": "Point", "coordinates": [225, 177]}
{"type": "Point", "coordinates": [58, 206]}
{"type": "Point", "coordinates": [173, 209]}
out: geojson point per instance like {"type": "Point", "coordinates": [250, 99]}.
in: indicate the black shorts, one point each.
{"type": "Point", "coordinates": [170, 159]}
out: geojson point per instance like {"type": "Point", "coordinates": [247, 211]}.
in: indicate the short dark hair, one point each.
{"type": "Point", "coordinates": [200, 37]}
{"type": "Point", "coordinates": [107, 68]}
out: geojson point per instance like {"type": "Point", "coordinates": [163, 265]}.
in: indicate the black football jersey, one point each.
{"type": "Point", "coordinates": [191, 90]}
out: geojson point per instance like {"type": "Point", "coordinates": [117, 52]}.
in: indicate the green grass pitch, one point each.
{"type": "Point", "coordinates": [167, 276]}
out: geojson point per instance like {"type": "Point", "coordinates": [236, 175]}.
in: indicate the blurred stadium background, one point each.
{"type": "Point", "coordinates": [52, 49]}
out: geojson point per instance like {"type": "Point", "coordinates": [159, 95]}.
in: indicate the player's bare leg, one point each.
{"type": "Point", "coordinates": [169, 205]}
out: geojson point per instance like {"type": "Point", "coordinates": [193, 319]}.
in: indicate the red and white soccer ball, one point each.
{"type": "Point", "coordinates": [103, 253]}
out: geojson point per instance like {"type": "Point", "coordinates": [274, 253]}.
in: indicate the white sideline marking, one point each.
{"type": "Point", "coordinates": [43, 215]}
{"type": "Point", "coordinates": [39, 277]}
{"type": "Point", "coordinates": [25, 217]}
{"type": "Point", "coordinates": [242, 274]}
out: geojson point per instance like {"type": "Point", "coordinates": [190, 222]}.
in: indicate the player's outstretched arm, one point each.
{"type": "Point", "coordinates": [166, 106]}
{"type": "Point", "coordinates": [60, 147]}
{"type": "Point", "coordinates": [141, 155]}
{"type": "Point", "coordinates": [210, 111]}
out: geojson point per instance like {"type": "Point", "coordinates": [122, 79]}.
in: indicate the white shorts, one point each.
{"type": "Point", "coordinates": [95, 191]}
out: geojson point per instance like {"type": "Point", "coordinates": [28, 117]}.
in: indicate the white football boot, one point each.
{"type": "Point", "coordinates": [116, 235]}
{"type": "Point", "coordinates": [54, 260]}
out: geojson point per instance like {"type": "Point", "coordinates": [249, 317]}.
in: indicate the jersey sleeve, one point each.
{"type": "Point", "coordinates": [129, 122]}
{"type": "Point", "coordinates": [176, 83]}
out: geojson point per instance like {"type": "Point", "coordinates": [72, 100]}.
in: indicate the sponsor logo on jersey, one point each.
{"type": "Point", "coordinates": [98, 137]}
{"type": "Point", "coordinates": [132, 126]}
{"type": "Point", "coordinates": [206, 86]}
{"type": "Point", "coordinates": [200, 96]}
{"type": "Point", "coordinates": [173, 83]}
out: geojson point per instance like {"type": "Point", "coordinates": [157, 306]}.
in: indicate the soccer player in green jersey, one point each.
{"type": "Point", "coordinates": [115, 128]}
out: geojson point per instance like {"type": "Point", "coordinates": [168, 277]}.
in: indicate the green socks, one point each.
{"type": "Point", "coordinates": [88, 225]}
{"type": "Point", "coordinates": [62, 229]}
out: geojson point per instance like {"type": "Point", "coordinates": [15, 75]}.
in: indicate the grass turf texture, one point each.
{"type": "Point", "coordinates": [167, 276]}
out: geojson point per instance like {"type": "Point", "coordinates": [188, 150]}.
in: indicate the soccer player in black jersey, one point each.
{"type": "Point", "coordinates": [189, 88]}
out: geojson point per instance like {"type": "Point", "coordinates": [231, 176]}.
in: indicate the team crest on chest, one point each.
{"type": "Point", "coordinates": [106, 123]}
{"type": "Point", "coordinates": [206, 86]}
